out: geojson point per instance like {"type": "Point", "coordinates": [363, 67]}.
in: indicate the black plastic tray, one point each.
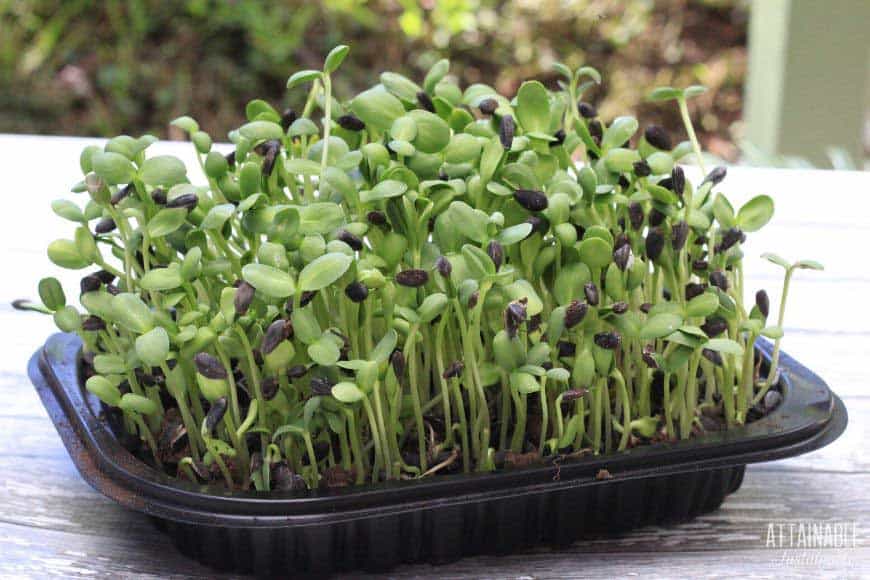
{"type": "Point", "coordinates": [441, 519]}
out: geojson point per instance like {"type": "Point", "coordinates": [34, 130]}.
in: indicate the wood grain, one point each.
{"type": "Point", "coordinates": [53, 524]}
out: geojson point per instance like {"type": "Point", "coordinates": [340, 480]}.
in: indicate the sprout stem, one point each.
{"type": "Point", "coordinates": [411, 357]}
{"type": "Point", "coordinates": [626, 408]}
{"type": "Point", "coordinates": [544, 414]}
{"type": "Point", "coordinates": [327, 121]}
{"type": "Point", "coordinates": [774, 359]}
{"type": "Point", "coordinates": [690, 130]}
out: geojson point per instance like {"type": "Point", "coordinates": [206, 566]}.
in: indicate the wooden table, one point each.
{"type": "Point", "coordinates": [52, 523]}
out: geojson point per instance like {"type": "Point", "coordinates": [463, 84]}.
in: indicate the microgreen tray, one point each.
{"type": "Point", "coordinates": [443, 518]}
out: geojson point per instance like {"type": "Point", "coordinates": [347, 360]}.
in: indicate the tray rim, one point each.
{"type": "Point", "coordinates": [810, 416]}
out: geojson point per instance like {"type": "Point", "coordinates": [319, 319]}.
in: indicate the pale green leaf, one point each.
{"type": "Point", "coordinates": [323, 271]}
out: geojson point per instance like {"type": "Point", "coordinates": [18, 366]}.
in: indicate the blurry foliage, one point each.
{"type": "Point", "coordinates": [95, 68]}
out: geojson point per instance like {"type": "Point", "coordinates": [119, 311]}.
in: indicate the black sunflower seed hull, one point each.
{"type": "Point", "coordinates": [269, 388]}
{"type": "Point", "coordinates": [413, 278]}
{"type": "Point", "coordinates": [104, 226]}
{"type": "Point", "coordinates": [762, 301]}
{"type": "Point", "coordinates": [425, 102]}
{"type": "Point", "coordinates": [187, 201]}
{"type": "Point", "coordinates": [649, 360]}
{"type": "Point", "coordinates": [566, 348]}
{"type": "Point", "coordinates": [488, 106]}
{"type": "Point", "coordinates": [575, 312]}
{"type": "Point", "coordinates": [243, 298]}
{"type": "Point", "coordinates": [641, 168]}
{"type": "Point", "coordinates": [591, 292]}
{"type": "Point", "coordinates": [158, 196]}
{"type": "Point", "coordinates": [587, 110]}
{"type": "Point", "coordinates": [719, 280]}
{"type": "Point", "coordinates": [678, 177]}
{"type": "Point", "coordinates": [209, 366]}
{"type": "Point", "coordinates": [635, 215]}
{"type": "Point", "coordinates": [496, 253]}
{"type": "Point", "coordinates": [622, 256]}
{"type": "Point", "coordinates": [297, 372]}
{"type": "Point", "coordinates": [655, 243]}
{"type": "Point", "coordinates": [730, 237]}
{"type": "Point", "coordinates": [215, 413]}
{"type": "Point", "coordinates": [288, 117]}
{"type": "Point", "coordinates": [354, 241]}
{"type": "Point", "coordinates": [657, 137]}
{"type": "Point", "coordinates": [712, 356]}
{"type": "Point", "coordinates": [531, 200]}
{"type": "Point", "coordinates": [121, 194]}
{"type": "Point", "coordinates": [694, 289]}
{"type": "Point", "coordinates": [307, 297]}
{"type": "Point", "coordinates": [596, 130]}
{"type": "Point", "coordinates": [90, 283]}
{"type": "Point", "coordinates": [514, 316]}
{"type": "Point", "coordinates": [270, 155]}
{"type": "Point", "coordinates": [607, 340]}
{"type": "Point", "coordinates": [716, 176]}
{"type": "Point", "coordinates": [275, 334]}
{"type": "Point", "coordinates": [444, 267]}
{"type": "Point", "coordinates": [540, 224]}
{"type": "Point", "coordinates": [377, 218]}
{"type": "Point", "coordinates": [356, 291]}
{"type": "Point", "coordinates": [350, 122]}
{"type": "Point", "coordinates": [679, 235]}
{"type": "Point", "coordinates": [506, 131]}
{"type": "Point", "coordinates": [397, 361]}
{"type": "Point", "coordinates": [104, 276]}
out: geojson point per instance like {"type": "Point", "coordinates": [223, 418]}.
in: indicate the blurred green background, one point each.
{"type": "Point", "coordinates": [101, 68]}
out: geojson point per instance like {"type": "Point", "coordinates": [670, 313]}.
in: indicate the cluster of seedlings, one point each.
{"type": "Point", "coordinates": [422, 280]}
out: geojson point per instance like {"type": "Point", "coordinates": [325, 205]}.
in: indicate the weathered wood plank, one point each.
{"type": "Point", "coordinates": [654, 564]}
{"type": "Point", "coordinates": [68, 557]}
{"type": "Point", "coordinates": [27, 552]}
{"type": "Point", "coordinates": [55, 554]}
